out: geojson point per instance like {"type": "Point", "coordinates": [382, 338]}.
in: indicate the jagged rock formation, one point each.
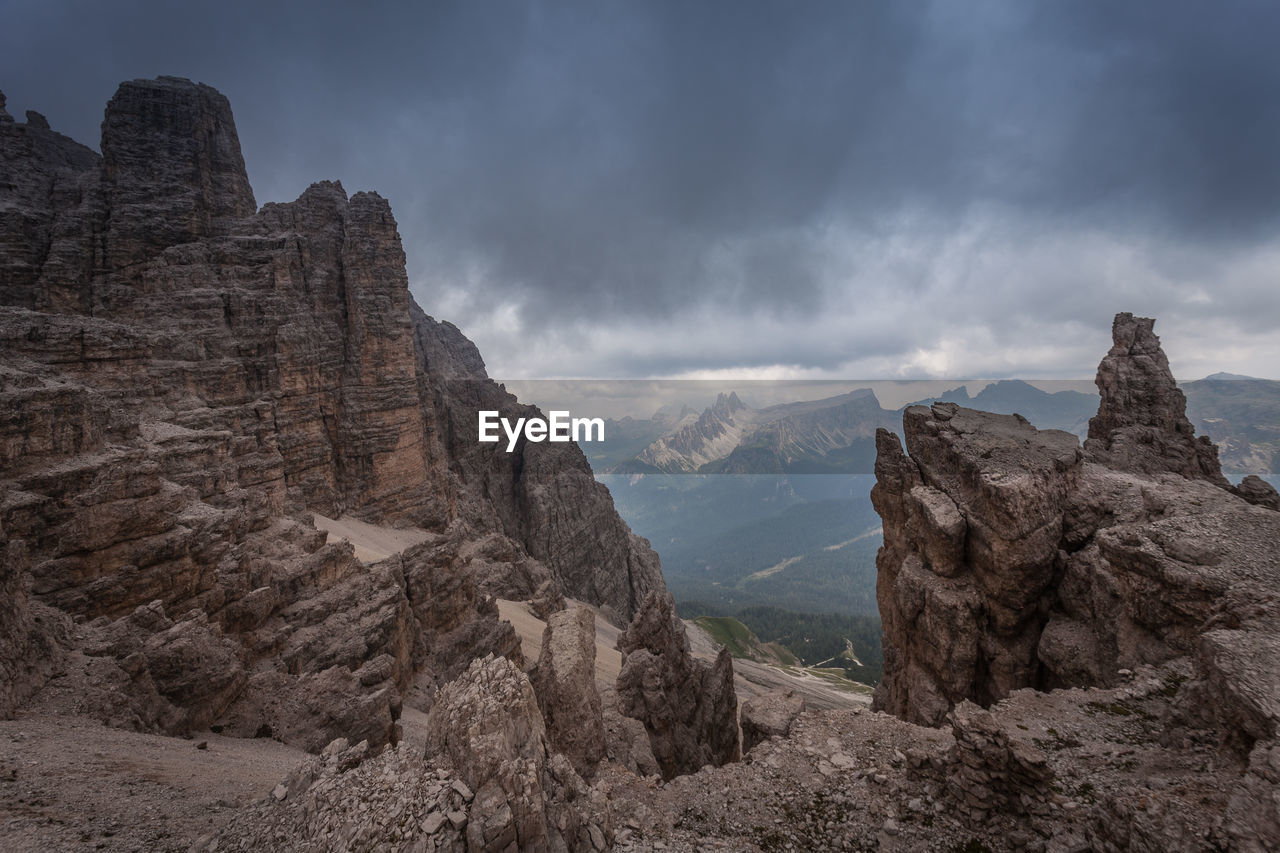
{"type": "Point", "coordinates": [1013, 560]}
{"type": "Point", "coordinates": [1258, 492]}
{"type": "Point", "coordinates": [972, 523]}
{"type": "Point", "coordinates": [565, 683]}
{"type": "Point", "coordinates": [689, 708]}
{"type": "Point", "coordinates": [1142, 424]}
{"type": "Point", "coordinates": [542, 495]}
{"type": "Point", "coordinates": [487, 783]}
{"type": "Point", "coordinates": [183, 377]}
{"type": "Point", "coordinates": [487, 727]}
{"type": "Point", "coordinates": [32, 636]}
{"type": "Point", "coordinates": [769, 715]}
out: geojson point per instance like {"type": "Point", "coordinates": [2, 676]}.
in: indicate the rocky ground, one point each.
{"type": "Point", "coordinates": [71, 783]}
{"type": "Point", "coordinates": [1108, 769]}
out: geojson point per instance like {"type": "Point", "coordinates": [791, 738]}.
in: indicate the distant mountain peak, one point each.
{"type": "Point", "coordinates": [732, 437]}
{"type": "Point", "coordinates": [730, 402]}
{"type": "Point", "coordinates": [1229, 377]}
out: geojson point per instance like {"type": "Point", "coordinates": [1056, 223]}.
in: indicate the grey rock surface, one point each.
{"type": "Point", "coordinates": [487, 726]}
{"type": "Point", "coordinates": [1142, 424]}
{"type": "Point", "coordinates": [565, 682]}
{"type": "Point", "coordinates": [1077, 570]}
{"type": "Point", "coordinates": [688, 706]}
{"type": "Point", "coordinates": [769, 715]}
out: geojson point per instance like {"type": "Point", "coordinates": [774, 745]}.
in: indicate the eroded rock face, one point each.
{"type": "Point", "coordinates": [1142, 424]}
{"type": "Point", "coordinates": [1012, 560]}
{"type": "Point", "coordinates": [565, 682]}
{"type": "Point", "coordinates": [542, 495]}
{"type": "Point", "coordinates": [33, 638]}
{"type": "Point", "coordinates": [487, 726]}
{"type": "Point", "coordinates": [688, 707]}
{"type": "Point", "coordinates": [172, 167]}
{"type": "Point", "coordinates": [184, 376]}
{"type": "Point", "coordinates": [972, 521]}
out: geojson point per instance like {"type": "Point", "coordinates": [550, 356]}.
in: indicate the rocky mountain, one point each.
{"type": "Point", "coordinates": [1241, 415]}
{"type": "Point", "coordinates": [1081, 644]}
{"type": "Point", "coordinates": [1068, 410]}
{"type": "Point", "coordinates": [1040, 564]}
{"type": "Point", "coordinates": [185, 378]}
{"type": "Point", "coordinates": [809, 437]}
{"type": "Point", "coordinates": [1014, 559]}
{"type": "Point", "coordinates": [688, 707]}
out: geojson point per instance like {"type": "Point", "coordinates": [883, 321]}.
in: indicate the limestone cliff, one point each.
{"type": "Point", "coordinates": [184, 377]}
{"type": "Point", "coordinates": [542, 495]}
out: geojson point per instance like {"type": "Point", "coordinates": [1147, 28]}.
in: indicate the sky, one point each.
{"type": "Point", "coordinates": [754, 190]}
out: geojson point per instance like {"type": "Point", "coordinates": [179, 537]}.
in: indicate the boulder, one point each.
{"type": "Point", "coordinates": [565, 683]}
{"type": "Point", "coordinates": [769, 715]}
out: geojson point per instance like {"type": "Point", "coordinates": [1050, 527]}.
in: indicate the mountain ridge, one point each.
{"type": "Point", "coordinates": [186, 377]}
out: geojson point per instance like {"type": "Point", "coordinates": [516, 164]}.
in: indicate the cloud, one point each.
{"type": "Point", "coordinates": [670, 188]}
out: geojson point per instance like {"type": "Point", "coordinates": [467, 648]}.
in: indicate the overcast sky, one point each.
{"type": "Point", "coordinates": [741, 189]}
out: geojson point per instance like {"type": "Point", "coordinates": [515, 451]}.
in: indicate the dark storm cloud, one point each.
{"type": "Point", "coordinates": [658, 169]}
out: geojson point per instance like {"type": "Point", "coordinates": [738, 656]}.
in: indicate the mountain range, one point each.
{"type": "Point", "coordinates": [835, 435]}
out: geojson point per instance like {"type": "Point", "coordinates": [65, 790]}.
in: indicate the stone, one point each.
{"type": "Point", "coordinates": [972, 520]}
{"type": "Point", "coordinates": [1142, 424]}
{"type": "Point", "coordinates": [1258, 492]}
{"type": "Point", "coordinates": [688, 707]}
{"type": "Point", "coordinates": [33, 638]}
{"type": "Point", "coordinates": [565, 683]}
{"type": "Point", "coordinates": [989, 767]}
{"type": "Point", "coordinates": [1012, 559]}
{"type": "Point", "coordinates": [487, 725]}
{"type": "Point", "coordinates": [626, 739]}
{"type": "Point", "coordinates": [770, 715]}
{"type": "Point", "coordinates": [547, 599]}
